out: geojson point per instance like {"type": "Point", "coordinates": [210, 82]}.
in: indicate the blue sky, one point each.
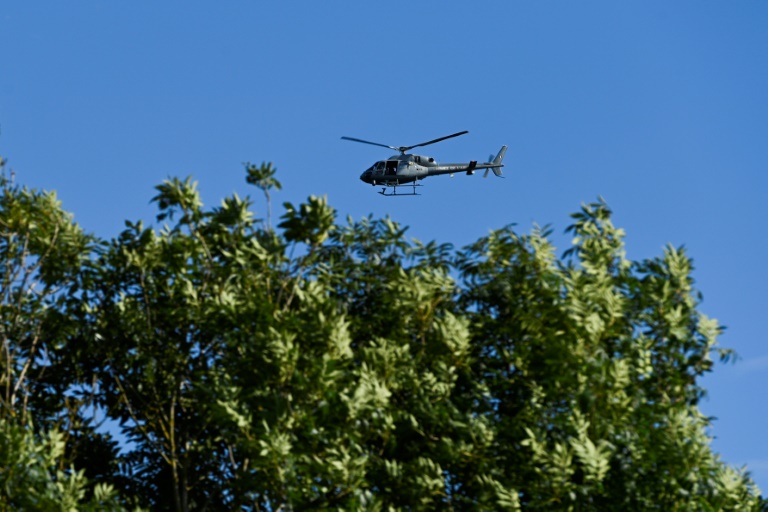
{"type": "Point", "coordinates": [660, 107]}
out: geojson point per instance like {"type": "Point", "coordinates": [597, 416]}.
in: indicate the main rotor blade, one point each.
{"type": "Point", "coordinates": [371, 143]}
{"type": "Point", "coordinates": [406, 148]}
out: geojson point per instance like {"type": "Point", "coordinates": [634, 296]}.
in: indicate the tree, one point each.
{"type": "Point", "coordinates": [591, 368]}
{"type": "Point", "coordinates": [329, 365]}
{"type": "Point", "coordinates": [44, 427]}
{"type": "Point", "coordinates": [42, 252]}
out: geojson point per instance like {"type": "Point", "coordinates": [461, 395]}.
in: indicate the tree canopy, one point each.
{"type": "Point", "coordinates": [329, 365]}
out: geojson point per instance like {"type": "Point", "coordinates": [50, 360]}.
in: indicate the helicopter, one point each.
{"type": "Point", "coordinates": [407, 169]}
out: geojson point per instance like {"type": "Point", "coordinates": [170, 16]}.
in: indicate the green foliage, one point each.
{"type": "Point", "coordinates": [41, 251]}
{"type": "Point", "coordinates": [342, 366]}
{"type": "Point", "coordinates": [31, 478]}
{"type": "Point", "coordinates": [263, 178]}
{"type": "Point", "coordinates": [43, 257]}
{"type": "Point", "coordinates": [310, 223]}
{"type": "Point", "coordinates": [592, 367]}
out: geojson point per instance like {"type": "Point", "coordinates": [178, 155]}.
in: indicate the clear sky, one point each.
{"type": "Point", "coordinates": [660, 107]}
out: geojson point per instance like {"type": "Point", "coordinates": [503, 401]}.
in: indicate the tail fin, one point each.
{"type": "Point", "coordinates": [496, 162]}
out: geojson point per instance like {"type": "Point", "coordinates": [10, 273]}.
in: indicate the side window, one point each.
{"type": "Point", "coordinates": [418, 159]}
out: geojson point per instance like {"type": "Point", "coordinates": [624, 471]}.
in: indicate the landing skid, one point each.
{"type": "Point", "coordinates": [394, 190]}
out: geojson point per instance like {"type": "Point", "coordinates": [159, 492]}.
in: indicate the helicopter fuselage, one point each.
{"type": "Point", "coordinates": [400, 169]}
